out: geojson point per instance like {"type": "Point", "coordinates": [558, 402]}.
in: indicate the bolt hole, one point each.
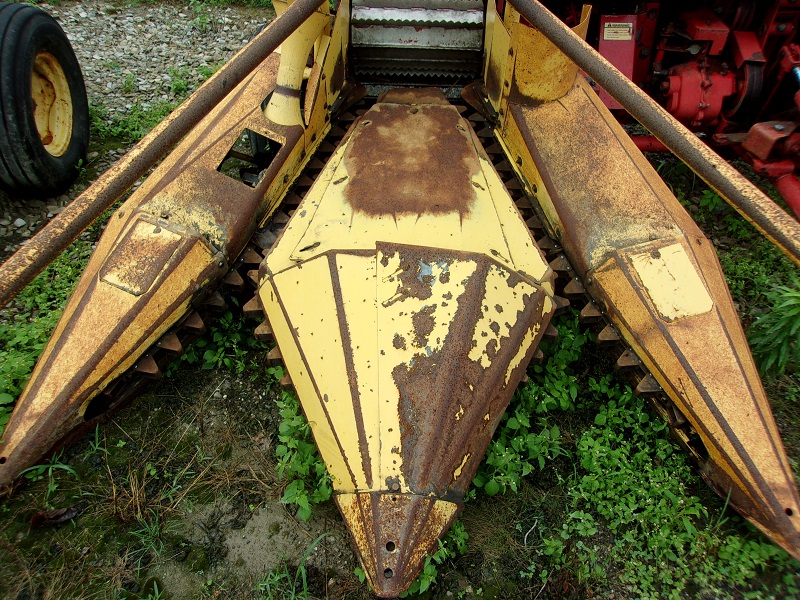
{"type": "Point", "coordinates": [394, 498]}
{"type": "Point", "coordinates": [789, 511]}
{"type": "Point", "coordinates": [390, 547]}
{"type": "Point", "coordinates": [388, 573]}
{"type": "Point", "coordinates": [3, 460]}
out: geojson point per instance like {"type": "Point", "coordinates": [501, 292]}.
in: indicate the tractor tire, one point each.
{"type": "Point", "coordinates": [44, 113]}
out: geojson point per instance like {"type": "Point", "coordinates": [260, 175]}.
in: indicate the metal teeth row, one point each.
{"type": "Point", "coordinates": [385, 69]}
{"type": "Point", "coordinates": [388, 17]}
{"type": "Point", "coordinates": [432, 4]}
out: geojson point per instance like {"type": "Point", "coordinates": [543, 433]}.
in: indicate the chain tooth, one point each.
{"type": "Point", "coordinates": [233, 281]}
{"type": "Point", "coordinates": [547, 245]}
{"type": "Point", "coordinates": [170, 343]}
{"type": "Point", "coordinates": [495, 150]}
{"type": "Point", "coordinates": [327, 147]}
{"type": "Point", "coordinates": [304, 181]}
{"type": "Point", "coordinates": [561, 303]}
{"type": "Point", "coordinates": [286, 382]}
{"type": "Point", "coordinates": [608, 335]}
{"type": "Point", "coordinates": [574, 288]}
{"type": "Point", "coordinates": [561, 264]}
{"type": "Point", "coordinates": [648, 385]}
{"type": "Point", "coordinates": [252, 308]}
{"type": "Point", "coordinates": [195, 324]}
{"type": "Point", "coordinates": [251, 257]}
{"type": "Point", "coordinates": [590, 312]}
{"type": "Point", "coordinates": [679, 420]}
{"type": "Point", "coordinates": [551, 332]}
{"type": "Point", "coordinates": [274, 357]}
{"type": "Point", "coordinates": [315, 165]}
{"type": "Point", "coordinates": [280, 218]}
{"type": "Point", "coordinates": [147, 366]}
{"type": "Point", "coordinates": [538, 356]}
{"type": "Point", "coordinates": [292, 200]}
{"type": "Point", "coordinates": [252, 277]}
{"type": "Point", "coordinates": [263, 332]}
{"type": "Point", "coordinates": [628, 359]}
{"type": "Point", "coordinates": [215, 303]}
{"type": "Point", "coordinates": [534, 223]}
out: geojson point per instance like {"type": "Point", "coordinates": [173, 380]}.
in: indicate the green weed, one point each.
{"type": "Point", "coordinates": [298, 458]}
{"type": "Point", "coordinates": [775, 337]}
{"type": "Point", "coordinates": [134, 125]}
{"type": "Point", "coordinates": [179, 84]}
{"type": "Point", "coordinates": [47, 471]}
{"type": "Point", "coordinates": [280, 584]}
{"type": "Point", "coordinates": [453, 545]}
{"type": "Point", "coordinates": [228, 344]}
{"type": "Point", "coordinates": [129, 85]}
{"type": "Point", "coordinates": [149, 535]}
{"type": "Point", "coordinates": [27, 325]}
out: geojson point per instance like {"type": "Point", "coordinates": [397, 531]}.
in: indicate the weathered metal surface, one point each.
{"type": "Point", "coordinates": [746, 198]}
{"type": "Point", "coordinates": [657, 277]}
{"type": "Point", "coordinates": [65, 227]}
{"type": "Point", "coordinates": [404, 354]}
{"type": "Point", "coordinates": [161, 253]}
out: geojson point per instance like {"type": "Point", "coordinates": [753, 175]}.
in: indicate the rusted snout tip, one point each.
{"type": "Point", "coordinates": [394, 533]}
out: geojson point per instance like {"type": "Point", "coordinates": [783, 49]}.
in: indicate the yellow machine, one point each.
{"type": "Point", "coordinates": [407, 294]}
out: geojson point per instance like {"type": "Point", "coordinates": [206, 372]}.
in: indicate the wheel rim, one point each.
{"type": "Point", "coordinates": [52, 103]}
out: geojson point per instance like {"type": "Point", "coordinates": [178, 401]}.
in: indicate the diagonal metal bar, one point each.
{"type": "Point", "coordinates": [755, 206]}
{"type": "Point", "coordinates": [19, 270]}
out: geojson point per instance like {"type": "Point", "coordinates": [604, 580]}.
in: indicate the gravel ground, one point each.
{"type": "Point", "coordinates": [133, 53]}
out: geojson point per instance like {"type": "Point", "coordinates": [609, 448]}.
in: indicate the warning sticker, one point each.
{"type": "Point", "coordinates": [618, 31]}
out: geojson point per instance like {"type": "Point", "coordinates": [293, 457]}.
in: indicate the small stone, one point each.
{"type": "Point", "coordinates": [20, 222]}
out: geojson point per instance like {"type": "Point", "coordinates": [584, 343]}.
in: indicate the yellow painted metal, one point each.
{"type": "Point", "coordinates": [176, 235]}
{"type": "Point", "coordinates": [522, 64]}
{"type": "Point", "coordinates": [650, 268]}
{"type": "Point", "coordinates": [407, 297]}
{"type": "Point", "coordinates": [52, 102]}
{"type": "Point", "coordinates": [284, 104]}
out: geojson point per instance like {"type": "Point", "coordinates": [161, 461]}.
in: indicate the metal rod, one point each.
{"type": "Point", "coordinates": [19, 270]}
{"type": "Point", "coordinates": [755, 206]}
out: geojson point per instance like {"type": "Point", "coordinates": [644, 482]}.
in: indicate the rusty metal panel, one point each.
{"type": "Point", "coordinates": [541, 72]}
{"type": "Point", "coordinates": [406, 310]}
{"type": "Point", "coordinates": [653, 272]}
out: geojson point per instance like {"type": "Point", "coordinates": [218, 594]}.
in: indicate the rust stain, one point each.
{"type": "Point", "coordinates": [393, 533]}
{"type": "Point", "coordinates": [414, 96]}
{"type": "Point", "coordinates": [436, 384]}
{"type": "Point", "coordinates": [139, 258]}
{"type": "Point", "coordinates": [399, 342]}
{"type": "Point", "coordinates": [423, 323]}
{"type": "Point", "coordinates": [428, 173]}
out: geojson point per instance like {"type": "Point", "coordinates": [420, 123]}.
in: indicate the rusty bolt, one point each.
{"type": "Point", "coordinates": [781, 26]}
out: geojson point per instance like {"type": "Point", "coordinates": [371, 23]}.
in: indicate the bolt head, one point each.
{"type": "Point", "coordinates": [779, 127]}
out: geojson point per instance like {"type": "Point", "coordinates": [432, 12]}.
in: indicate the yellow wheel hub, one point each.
{"type": "Point", "coordinates": [52, 103]}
